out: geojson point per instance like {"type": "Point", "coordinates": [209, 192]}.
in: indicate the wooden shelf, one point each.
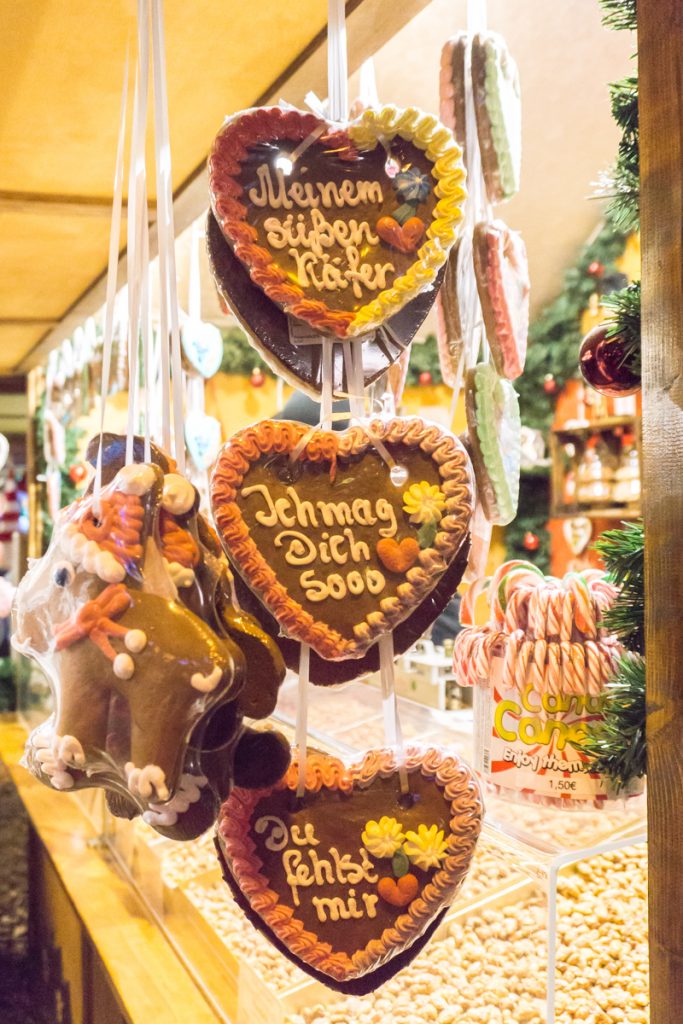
{"type": "Point", "coordinates": [597, 426]}
{"type": "Point", "coordinates": [597, 513]}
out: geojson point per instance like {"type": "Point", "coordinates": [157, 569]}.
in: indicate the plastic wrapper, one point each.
{"type": "Point", "coordinates": [151, 668]}
{"type": "Point", "coordinates": [539, 667]}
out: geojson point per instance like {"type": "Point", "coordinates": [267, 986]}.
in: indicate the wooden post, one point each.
{"type": "Point", "coordinates": [660, 69]}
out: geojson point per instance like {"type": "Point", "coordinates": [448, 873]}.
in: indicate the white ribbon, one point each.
{"type": "Point", "coordinates": [393, 735]}
{"type": "Point", "coordinates": [367, 85]}
{"type": "Point", "coordinates": [137, 221]}
{"type": "Point", "coordinates": [112, 269]}
{"type": "Point", "coordinates": [302, 717]}
{"type": "Point", "coordinates": [337, 69]}
{"type": "Point", "coordinates": [168, 289]}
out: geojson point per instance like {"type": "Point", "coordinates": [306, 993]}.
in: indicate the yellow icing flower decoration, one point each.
{"type": "Point", "coordinates": [426, 848]}
{"type": "Point", "coordinates": [424, 502]}
{"type": "Point", "coordinates": [384, 837]}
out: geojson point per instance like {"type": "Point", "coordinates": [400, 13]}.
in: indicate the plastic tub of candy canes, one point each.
{"type": "Point", "coordinates": [539, 667]}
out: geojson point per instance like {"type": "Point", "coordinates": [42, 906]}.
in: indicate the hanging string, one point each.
{"type": "Point", "coordinates": [367, 86]}
{"type": "Point", "coordinates": [137, 217]}
{"type": "Point", "coordinates": [112, 271]}
{"type": "Point", "coordinates": [393, 734]}
{"type": "Point", "coordinates": [337, 68]}
{"type": "Point", "coordinates": [301, 735]}
{"type": "Point", "coordinates": [146, 333]}
{"type": "Point", "coordinates": [166, 228]}
{"type": "Point", "coordinates": [326, 385]}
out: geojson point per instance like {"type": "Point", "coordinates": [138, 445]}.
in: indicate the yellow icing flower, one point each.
{"type": "Point", "coordinates": [426, 848]}
{"type": "Point", "coordinates": [384, 837]}
{"type": "Point", "coordinates": [424, 502]}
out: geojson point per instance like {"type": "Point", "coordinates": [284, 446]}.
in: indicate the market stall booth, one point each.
{"type": "Point", "coordinates": [401, 699]}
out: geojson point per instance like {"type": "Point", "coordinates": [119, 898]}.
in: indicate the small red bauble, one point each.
{"type": "Point", "coordinates": [531, 541]}
{"type": "Point", "coordinates": [596, 269]}
{"type": "Point", "coordinates": [425, 378]}
{"type": "Point", "coordinates": [549, 384]}
{"type": "Point", "coordinates": [78, 472]}
{"type": "Point", "coordinates": [605, 366]}
{"type": "Point", "coordinates": [258, 378]}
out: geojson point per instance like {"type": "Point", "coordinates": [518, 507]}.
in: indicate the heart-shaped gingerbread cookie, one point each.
{"type": "Point", "coordinates": [352, 874]}
{"type": "Point", "coordinates": [303, 513]}
{"type": "Point", "coordinates": [301, 365]}
{"type": "Point", "coordinates": [306, 206]}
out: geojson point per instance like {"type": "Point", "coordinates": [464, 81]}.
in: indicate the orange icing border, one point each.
{"type": "Point", "coordinates": [270, 436]}
{"type": "Point", "coordinates": [459, 786]}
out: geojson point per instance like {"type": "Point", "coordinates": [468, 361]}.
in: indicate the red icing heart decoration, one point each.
{"type": "Point", "coordinates": [405, 237]}
{"type": "Point", "coordinates": [306, 207]}
{"type": "Point", "coordinates": [314, 871]}
{"type": "Point", "coordinates": [398, 892]}
{"type": "Point", "coordinates": [398, 557]}
{"type": "Point", "coordinates": [304, 516]}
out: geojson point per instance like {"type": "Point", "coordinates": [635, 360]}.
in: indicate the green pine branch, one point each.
{"type": "Point", "coordinates": [623, 554]}
{"type": "Point", "coordinates": [619, 14]}
{"type": "Point", "coordinates": [617, 743]}
{"type": "Point", "coordinates": [624, 100]}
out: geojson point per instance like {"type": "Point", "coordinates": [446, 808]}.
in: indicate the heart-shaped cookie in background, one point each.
{"type": "Point", "coordinates": [299, 201]}
{"type": "Point", "coordinates": [319, 502]}
{"type": "Point", "coordinates": [348, 879]}
{"type": "Point", "coordinates": [201, 348]}
{"type": "Point", "coordinates": [203, 438]}
{"type": "Point", "coordinates": [502, 274]}
{"type": "Point", "coordinates": [494, 428]}
{"type": "Point", "coordinates": [300, 364]}
{"type": "Point", "coordinates": [498, 110]}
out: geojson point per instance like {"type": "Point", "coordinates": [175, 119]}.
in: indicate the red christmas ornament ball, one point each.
{"type": "Point", "coordinates": [258, 378]}
{"type": "Point", "coordinates": [78, 473]}
{"type": "Point", "coordinates": [425, 378]}
{"type": "Point", "coordinates": [604, 364]}
{"type": "Point", "coordinates": [596, 269]}
{"type": "Point", "coordinates": [531, 541]}
{"type": "Point", "coordinates": [549, 384]}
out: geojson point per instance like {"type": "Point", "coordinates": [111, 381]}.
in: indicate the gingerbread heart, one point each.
{"type": "Point", "coordinates": [203, 438]}
{"type": "Point", "coordinates": [202, 348]}
{"type": "Point", "coordinates": [316, 871]}
{"type": "Point", "coordinates": [299, 201]}
{"type": "Point", "coordinates": [494, 427]}
{"type": "Point", "coordinates": [301, 364]}
{"type": "Point", "coordinates": [502, 274]}
{"type": "Point", "coordinates": [301, 511]}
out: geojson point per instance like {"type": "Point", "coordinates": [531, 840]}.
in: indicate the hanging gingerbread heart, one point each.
{"type": "Point", "coordinates": [336, 551]}
{"type": "Point", "coordinates": [502, 274]}
{"type": "Point", "coordinates": [494, 429]}
{"type": "Point", "coordinates": [202, 348]}
{"type": "Point", "coordinates": [203, 438]}
{"type": "Point", "coordinates": [352, 873]}
{"type": "Point", "coordinates": [341, 227]}
{"type": "Point", "coordinates": [285, 344]}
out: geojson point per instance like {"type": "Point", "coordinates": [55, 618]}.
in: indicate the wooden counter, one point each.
{"type": "Point", "coordinates": [119, 967]}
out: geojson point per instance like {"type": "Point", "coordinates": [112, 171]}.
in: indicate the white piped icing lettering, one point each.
{"type": "Point", "coordinates": [123, 666]}
{"type": "Point", "coordinates": [138, 478]}
{"type": "Point", "coordinates": [135, 640]}
{"type": "Point", "coordinates": [205, 684]}
{"type": "Point", "coordinates": [179, 494]}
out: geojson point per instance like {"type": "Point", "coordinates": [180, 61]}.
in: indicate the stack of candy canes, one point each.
{"type": "Point", "coordinates": [548, 631]}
